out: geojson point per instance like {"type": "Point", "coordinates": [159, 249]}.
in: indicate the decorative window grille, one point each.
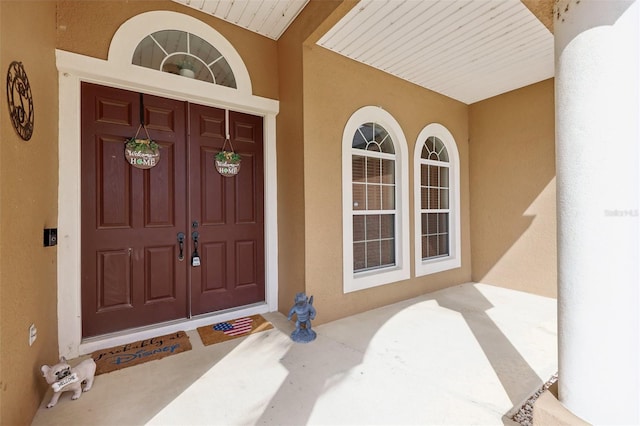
{"type": "Point", "coordinates": [434, 199]}
{"type": "Point", "coordinates": [437, 201]}
{"type": "Point", "coordinates": [375, 213]}
{"type": "Point", "coordinates": [374, 201]}
{"type": "Point", "coordinates": [180, 52]}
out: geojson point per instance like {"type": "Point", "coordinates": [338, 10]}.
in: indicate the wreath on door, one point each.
{"type": "Point", "coordinates": [142, 153]}
{"type": "Point", "coordinates": [228, 162]}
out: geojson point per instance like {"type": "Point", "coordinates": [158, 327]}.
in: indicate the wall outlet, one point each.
{"type": "Point", "coordinates": [33, 334]}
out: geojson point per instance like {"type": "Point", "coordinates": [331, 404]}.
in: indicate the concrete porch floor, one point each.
{"type": "Point", "coordinates": [465, 355]}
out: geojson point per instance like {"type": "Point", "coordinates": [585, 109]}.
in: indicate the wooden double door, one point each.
{"type": "Point", "coordinates": [135, 269]}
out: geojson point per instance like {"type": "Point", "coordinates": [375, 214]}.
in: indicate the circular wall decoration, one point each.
{"type": "Point", "coordinates": [20, 100]}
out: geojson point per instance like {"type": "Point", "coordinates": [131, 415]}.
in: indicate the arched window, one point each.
{"type": "Point", "coordinates": [437, 201]}
{"type": "Point", "coordinates": [374, 201]}
{"type": "Point", "coordinates": [180, 52]}
{"type": "Point", "coordinates": [375, 205]}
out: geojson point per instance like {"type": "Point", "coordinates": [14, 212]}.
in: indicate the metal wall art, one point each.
{"type": "Point", "coordinates": [20, 100]}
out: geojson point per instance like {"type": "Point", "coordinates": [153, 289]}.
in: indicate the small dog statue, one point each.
{"type": "Point", "coordinates": [64, 378]}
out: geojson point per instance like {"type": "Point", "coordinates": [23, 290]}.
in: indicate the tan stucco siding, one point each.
{"type": "Point", "coordinates": [290, 148]}
{"type": "Point", "coordinates": [543, 9]}
{"type": "Point", "coordinates": [87, 27]}
{"type": "Point", "coordinates": [334, 88]}
{"type": "Point", "coordinates": [513, 211]}
{"type": "Point", "coordinates": [29, 188]}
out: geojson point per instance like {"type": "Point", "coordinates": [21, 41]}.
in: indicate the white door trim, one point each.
{"type": "Point", "coordinates": [74, 69]}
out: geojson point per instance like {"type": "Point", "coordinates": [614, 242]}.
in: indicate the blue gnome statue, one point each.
{"type": "Point", "coordinates": [305, 312]}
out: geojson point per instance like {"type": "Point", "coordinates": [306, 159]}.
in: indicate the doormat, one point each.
{"type": "Point", "coordinates": [228, 330]}
{"type": "Point", "coordinates": [122, 356]}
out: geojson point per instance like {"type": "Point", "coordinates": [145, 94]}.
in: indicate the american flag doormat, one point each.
{"type": "Point", "coordinates": [228, 330]}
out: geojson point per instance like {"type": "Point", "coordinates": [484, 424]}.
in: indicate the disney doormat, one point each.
{"type": "Point", "coordinates": [228, 330]}
{"type": "Point", "coordinates": [122, 356]}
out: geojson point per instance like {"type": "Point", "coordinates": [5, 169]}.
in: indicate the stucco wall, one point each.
{"type": "Point", "coordinates": [29, 185]}
{"type": "Point", "coordinates": [290, 147]}
{"type": "Point", "coordinates": [83, 30]}
{"type": "Point", "coordinates": [543, 9]}
{"type": "Point", "coordinates": [334, 88]}
{"type": "Point", "coordinates": [512, 171]}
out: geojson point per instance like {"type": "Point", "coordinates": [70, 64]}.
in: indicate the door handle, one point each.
{"type": "Point", "coordinates": [194, 236]}
{"type": "Point", "coordinates": [181, 246]}
{"type": "Point", "coordinates": [195, 257]}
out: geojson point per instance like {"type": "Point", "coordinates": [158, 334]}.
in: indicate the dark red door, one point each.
{"type": "Point", "coordinates": [229, 212]}
{"type": "Point", "coordinates": [132, 274]}
{"type": "Point", "coordinates": [129, 217]}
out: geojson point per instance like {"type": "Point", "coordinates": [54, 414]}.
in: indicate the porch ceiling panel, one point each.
{"type": "Point", "coordinates": [468, 50]}
{"type": "Point", "coordinates": [269, 18]}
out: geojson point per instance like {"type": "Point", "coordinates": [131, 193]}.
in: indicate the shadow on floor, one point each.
{"type": "Point", "coordinates": [463, 355]}
{"type": "Point", "coordinates": [312, 377]}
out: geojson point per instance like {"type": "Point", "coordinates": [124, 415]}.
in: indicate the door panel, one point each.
{"type": "Point", "coordinates": [246, 206]}
{"type": "Point", "coordinates": [159, 264]}
{"type": "Point", "coordinates": [160, 191]}
{"type": "Point", "coordinates": [114, 284]}
{"type": "Point", "coordinates": [210, 208]}
{"type": "Point", "coordinates": [229, 212]}
{"type": "Point", "coordinates": [130, 217]}
{"type": "Point", "coordinates": [112, 186]}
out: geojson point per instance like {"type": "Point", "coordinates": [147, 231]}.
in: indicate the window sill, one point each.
{"type": "Point", "coordinates": [374, 278]}
{"type": "Point", "coordinates": [437, 265]}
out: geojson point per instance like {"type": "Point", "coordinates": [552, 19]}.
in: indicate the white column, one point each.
{"type": "Point", "coordinates": [598, 162]}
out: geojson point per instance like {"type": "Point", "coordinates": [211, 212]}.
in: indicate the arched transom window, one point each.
{"type": "Point", "coordinates": [180, 52]}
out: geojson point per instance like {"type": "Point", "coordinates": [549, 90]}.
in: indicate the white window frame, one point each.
{"type": "Point", "coordinates": [401, 270]}
{"type": "Point", "coordinates": [454, 259]}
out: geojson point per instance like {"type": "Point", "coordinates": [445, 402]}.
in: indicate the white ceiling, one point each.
{"type": "Point", "coordinates": [468, 50]}
{"type": "Point", "coordinates": [269, 18]}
